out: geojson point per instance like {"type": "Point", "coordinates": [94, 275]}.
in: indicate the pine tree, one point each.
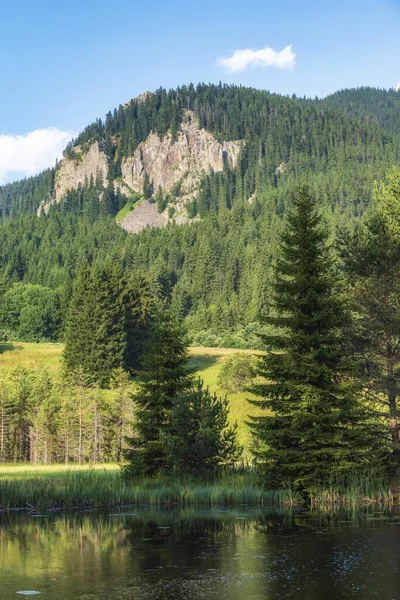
{"type": "Point", "coordinates": [140, 298]}
{"type": "Point", "coordinates": [163, 376]}
{"type": "Point", "coordinates": [108, 324]}
{"type": "Point", "coordinates": [202, 440]}
{"type": "Point", "coordinates": [317, 427]}
{"type": "Point", "coordinates": [372, 261]}
{"type": "Point", "coordinates": [77, 335]}
{"type": "Point", "coordinates": [95, 333]}
{"type": "Point", "coordinates": [6, 417]}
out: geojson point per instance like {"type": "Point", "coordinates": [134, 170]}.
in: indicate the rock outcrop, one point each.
{"type": "Point", "coordinates": [76, 170]}
{"type": "Point", "coordinates": [166, 162]}
{"type": "Point", "coordinates": [79, 169]}
{"type": "Point", "coordinates": [184, 161]}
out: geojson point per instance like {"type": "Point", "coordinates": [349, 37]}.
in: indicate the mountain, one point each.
{"type": "Point", "coordinates": [223, 159]}
{"type": "Point", "coordinates": [376, 106]}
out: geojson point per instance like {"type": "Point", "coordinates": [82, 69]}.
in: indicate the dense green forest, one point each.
{"type": "Point", "coordinates": [296, 248]}
{"type": "Point", "coordinates": [376, 106]}
{"type": "Point", "coordinates": [216, 271]}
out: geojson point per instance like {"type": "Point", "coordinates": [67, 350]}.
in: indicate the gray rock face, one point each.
{"type": "Point", "coordinates": [75, 171]}
{"type": "Point", "coordinates": [168, 162]}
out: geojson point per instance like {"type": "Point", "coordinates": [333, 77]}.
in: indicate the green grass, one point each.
{"type": "Point", "coordinates": [31, 355]}
{"type": "Point", "coordinates": [206, 361]}
{"type": "Point", "coordinates": [26, 471]}
{"type": "Point", "coordinates": [125, 210]}
{"type": "Point", "coordinates": [130, 205]}
{"type": "Point", "coordinates": [103, 486]}
{"type": "Point", "coordinates": [55, 486]}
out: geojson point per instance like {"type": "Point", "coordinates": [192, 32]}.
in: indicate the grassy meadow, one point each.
{"type": "Point", "coordinates": [43, 487]}
{"type": "Point", "coordinates": [206, 361]}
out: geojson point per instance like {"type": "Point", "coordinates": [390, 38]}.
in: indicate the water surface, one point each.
{"type": "Point", "coordinates": [190, 554]}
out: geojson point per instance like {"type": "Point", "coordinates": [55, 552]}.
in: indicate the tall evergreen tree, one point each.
{"type": "Point", "coordinates": [95, 333]}
{"type": "Point", "coordinates": [317, 426]}
{"type": "Point", "coordinates": [121, 415]}
{"type": "Point", "coordinates": [163, 376]}
{"type": "Point", "coordinates": [372, 262]}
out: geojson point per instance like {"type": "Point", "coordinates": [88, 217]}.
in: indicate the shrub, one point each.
{"type": "Point", "coordinates": [237, 372]}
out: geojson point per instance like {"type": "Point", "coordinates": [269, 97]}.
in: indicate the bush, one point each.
{"type": "Point", "coordinates": [203, 442]}
{"type": "Point", "coordinates": [237, 372]}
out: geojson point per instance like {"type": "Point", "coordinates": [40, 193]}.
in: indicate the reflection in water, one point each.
{"type": "Point", "coordinates": [187, 555]}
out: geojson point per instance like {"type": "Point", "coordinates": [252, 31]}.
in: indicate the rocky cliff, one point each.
{"type": "Point", "coordinates": [79, 169]}
{"type": "Point", "coordinates": [168, 162]}
{"type": "Point", "coordinates": [75, 170]}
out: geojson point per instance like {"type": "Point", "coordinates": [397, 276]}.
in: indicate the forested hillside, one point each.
{"type": "Point", "coordinates": [215, 270]}
{"type": "Point", "coordinates": [380, 107]}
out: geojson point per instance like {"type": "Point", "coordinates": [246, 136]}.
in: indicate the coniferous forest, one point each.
{"type": "Point", "coordinates": [294, 251]}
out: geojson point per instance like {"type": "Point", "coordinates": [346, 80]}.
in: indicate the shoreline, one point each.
{"type": "Point", "coordinates": [101, 488]}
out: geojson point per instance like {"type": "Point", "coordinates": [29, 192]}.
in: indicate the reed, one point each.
{"type": "Point", "coordinates": [100, 488]}
{"type": "Point", "coordinates": [357, 489]}
{"type": "Point", "coordinates": [59, 486]}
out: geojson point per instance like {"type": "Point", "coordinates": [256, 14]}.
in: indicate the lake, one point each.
{"type": "Point", "coordinates": [143, 554]}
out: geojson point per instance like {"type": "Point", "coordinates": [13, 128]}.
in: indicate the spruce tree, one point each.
{"type": "Point", "coordinates": [77, 336]}
{"type": "Point", "coordinates": [163, 376]}
{"type": "Point", "coordinates": [95, 332]}
{"type": "Point", "coordinates": [316, 427]}
{"type": "Point", "coordinates": [108, 322]}
{"type": "Point", "coordinates": [203, 442]}
{"type": "Point", "coordinates": [371, 256]}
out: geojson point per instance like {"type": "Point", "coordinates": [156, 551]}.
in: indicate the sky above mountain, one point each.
{"type": "Point", "coordinates": [64, 64]}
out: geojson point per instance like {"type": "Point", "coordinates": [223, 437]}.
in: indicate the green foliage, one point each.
{"type": "Point", "coordinates": [123, 413]}
{"type": "Point", "coordinates": [317, 424]}
{"type": "Point", "coordinates": [192, 209]}
{"type": "Point", "coordinates": [202, 441]}
{"type": "Point", "coordinates": [128, 207]}
{"type": "Point", "coordinates": [377, 106]}
{"type": "Point", "coordinates": [108, 321]}
{"type": "Point", "coordinates": [387, 199]}
{"type": "Point", "coordinates": [44, 420]}
{"type": "Point", "coordinates": [371, 256]}
{"type": "Point", "coordinates": [237, 372]}
{"type": "Point", "coordinates": [162, 200]}
{"type": "Point", "coordinates": [163, 376]}
{"type": "Point", "coordinates": [31, 312]}
{"type": "Point", "coordinates": [95, 332]}
{"type": "Point", "coordinates": [217, 272]}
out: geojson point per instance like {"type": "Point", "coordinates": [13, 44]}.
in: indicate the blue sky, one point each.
{"type": "Point", "coordinates": [64, 64]}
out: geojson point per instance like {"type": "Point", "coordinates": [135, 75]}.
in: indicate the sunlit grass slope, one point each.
{"type": "Point", "coordinates": [206, 361]}
{"type": "Point", "coordinates": [31, 355]}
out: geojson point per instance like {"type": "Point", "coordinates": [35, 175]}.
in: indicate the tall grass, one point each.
{"type": "Point", "coordinates": [100, 488]}
{"type": "Point", "coordinates": [55, 487]}
{"type": "Point", "coordinates": [355, 490]}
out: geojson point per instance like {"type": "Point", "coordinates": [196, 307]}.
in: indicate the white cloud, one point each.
{"type": "Point", "coordinates": [397, 88]}
{"type": "Point", "coordinates": [266, 57]}
{"type": "Point", "coordinates": [25, 155]}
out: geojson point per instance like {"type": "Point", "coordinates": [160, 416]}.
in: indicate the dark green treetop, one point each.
{"type": "Point", "coordinates": [163, 376]}
{"type": "Point", "coordinates": [317, 426]}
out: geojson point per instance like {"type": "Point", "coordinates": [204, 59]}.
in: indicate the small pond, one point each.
{"type": "Point", "coordinates": [228, 554]}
